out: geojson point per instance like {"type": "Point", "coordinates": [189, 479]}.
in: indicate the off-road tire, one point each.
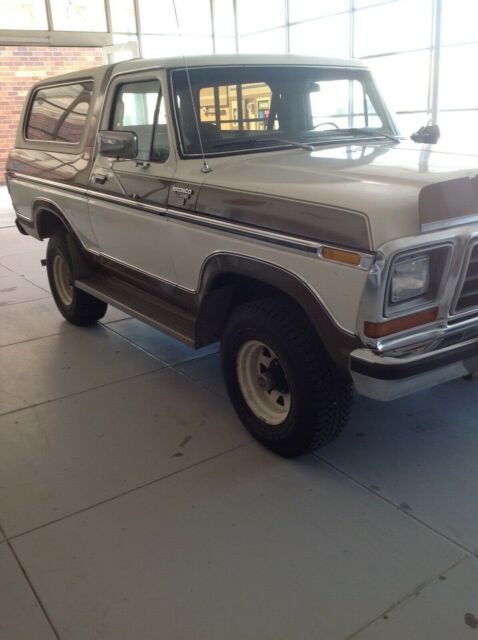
{"type": "Point", "coordinates": [82, 308]}
{"type": "Point", "coordinates": [320, 394]}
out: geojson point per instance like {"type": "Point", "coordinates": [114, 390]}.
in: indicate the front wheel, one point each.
{"type": "Point", "coordinates": [281, 381]}
{"type": "Point", "coordinates": [77, 306]}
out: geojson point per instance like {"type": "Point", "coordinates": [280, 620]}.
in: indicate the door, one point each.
{"type": "Point", "coordinates": [128, 198]}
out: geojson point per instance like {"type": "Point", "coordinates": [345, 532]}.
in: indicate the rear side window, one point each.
{"type": "Point", "coordinates": [58, 114]}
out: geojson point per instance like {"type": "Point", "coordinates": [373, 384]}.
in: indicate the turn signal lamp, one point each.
{"type": "Point", "coordinates": [378, 330]}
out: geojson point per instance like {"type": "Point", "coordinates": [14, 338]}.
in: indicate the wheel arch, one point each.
{"type": "Point", "coordinates": [48, 218]}
{"type": "Point", "coordinates": [228, 280]}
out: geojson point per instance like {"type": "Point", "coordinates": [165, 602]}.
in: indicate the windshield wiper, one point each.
{"type": "Point", "coordinates": [373, 132]}
{"type": "Point", "coordinates": [254, 141]}
{"type": "Point", "coordinates": [309, 146]}
{"type": "Point", "coordinates": [299, 145]}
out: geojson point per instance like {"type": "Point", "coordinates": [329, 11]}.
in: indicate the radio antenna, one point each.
{"type": "Point", "coordinates": [205, 168]}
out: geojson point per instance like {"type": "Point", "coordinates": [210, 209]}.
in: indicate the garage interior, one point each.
{"type": "Point", "coordinates": [133, 504]}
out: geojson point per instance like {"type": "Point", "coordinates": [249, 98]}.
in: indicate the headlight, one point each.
{"type": "Point", "coordinates": [415, 279]}
{"type": "Point", "coordinates": [410, 278]}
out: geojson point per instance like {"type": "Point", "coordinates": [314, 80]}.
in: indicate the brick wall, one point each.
{"type": "Point", "coordinates": [20, 67]}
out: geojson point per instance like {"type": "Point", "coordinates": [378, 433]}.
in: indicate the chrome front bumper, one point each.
{"type": "Point", "coordinates": [384, 377]}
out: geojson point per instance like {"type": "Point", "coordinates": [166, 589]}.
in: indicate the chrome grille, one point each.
{"type": "Point", "coordinates": [468, 298]}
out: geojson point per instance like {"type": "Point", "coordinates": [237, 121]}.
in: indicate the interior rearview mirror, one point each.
{"type": "Point", "coordinates": [122, 145]}
{"type": "Point", "coordinates": [313, 87]}
{"type": "Point", "coordinates": [430, 134]}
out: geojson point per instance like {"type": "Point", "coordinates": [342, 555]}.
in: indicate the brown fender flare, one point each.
{"type": "Point", "coordinates": [338, 342]}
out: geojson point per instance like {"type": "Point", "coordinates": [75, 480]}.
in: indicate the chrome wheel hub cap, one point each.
{"type": "Point", "coordinates": [263, 382]}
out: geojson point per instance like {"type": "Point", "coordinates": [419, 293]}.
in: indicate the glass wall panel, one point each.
{"type": "Point", "coordinates": [122, 16]}
{"type": "Point", "coordinates": [78, 15]}
{"type": "Point", "coordinates": [396, 26]}
{"type": "Point", "coordinates": [265, 42]}
{"type": "Point", "coordinates": [358, 4]}
{"type": "Point", "coordinates": [306, 10]}
{"type": "Point", "coordinates": [458, 86]}
{"type": "Point", "coordinates": [253, 16]}
{"type": "Point", "coordinates": [123, 38]}
{"type": "Point", "coordinates": [224, 18]}
{"type": "Point", "coordinates": [459, 130]}
{"type": "Point", "coordinates": [403, 80]}
{"type": "Point", "coordinates": [225, 45]}
{"type": "Point", "coordinates": [166, 46]}
{"type": "Point", "coordinates": [18, 14]}
{"type": "Point", "coordinates": [460, 21]}
{"type": "Point", "coordinates": [158, 17]}
{"type": "Point", "coordinates": [194, 17]}
{"type": "Point", "coordinates": [324, 37]}
{"type": "Point", "coordinates": [127, 51]}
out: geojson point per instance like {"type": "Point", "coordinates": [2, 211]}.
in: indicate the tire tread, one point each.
{"type": "Point", "coordinates": [329, 411]}
{"type": "Point", "coordinates": [85, 309]}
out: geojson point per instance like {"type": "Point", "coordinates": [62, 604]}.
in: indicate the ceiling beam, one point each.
{"type": "Point", "coordinates": [55, 38]}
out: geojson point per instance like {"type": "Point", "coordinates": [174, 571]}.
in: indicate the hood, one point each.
{"type": "Point", "coordinates": [384, 181]}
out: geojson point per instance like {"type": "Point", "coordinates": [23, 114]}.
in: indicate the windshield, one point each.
{"type": "Point", "coordinates": [253, 108]}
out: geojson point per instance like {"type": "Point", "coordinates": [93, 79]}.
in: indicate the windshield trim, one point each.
{"type": "Point", "coordinates": [277, 147]}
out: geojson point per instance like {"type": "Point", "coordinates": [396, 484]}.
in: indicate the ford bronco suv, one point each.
{"type": "Point", "coordinates": [266, 202]}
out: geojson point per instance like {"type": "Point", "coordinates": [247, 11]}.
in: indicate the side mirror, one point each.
{"type": "Point", "coordinates": [430, 134]}
{"type": "Point", "coordinates": [118, 144]}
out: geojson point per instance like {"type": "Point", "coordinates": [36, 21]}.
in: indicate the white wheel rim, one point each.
{"type": "Point", "coordinates": [263, 382]}
{"type": "Point", "coordinates": [62, 278]}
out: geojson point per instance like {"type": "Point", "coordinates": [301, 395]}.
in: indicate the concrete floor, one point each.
{"type": "Point", "coordinates": [133, 505]}
{"type": "Point", "coordinates": [6, 212]}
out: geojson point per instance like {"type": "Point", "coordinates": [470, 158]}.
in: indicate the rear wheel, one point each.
{"type": "Point", "coordinates": [77, 306]}
{"type": "Point", "coordinates": [282, 383]}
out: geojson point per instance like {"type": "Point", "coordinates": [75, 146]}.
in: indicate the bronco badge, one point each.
{"type": "Point", "coordinates": [182, 194]}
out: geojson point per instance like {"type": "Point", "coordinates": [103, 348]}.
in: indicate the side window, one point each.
{"type": "Point", "coordinates": [243, 107]}
{"type": "Point", "coordinates": [363, 109]}
{"type": "Point", "coordinates": [343, 102]}
{"type": "Point", "coordinates": [139, 107]}
{"type": "Point", "coordinates": [160, 148]}
{"type": "Point", "coordinates": [59, 113]}
{"type": "Point", "coordinates": [329, 102]}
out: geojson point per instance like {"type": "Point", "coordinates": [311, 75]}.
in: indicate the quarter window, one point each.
{"type": "Point", "coordinates": [59, 113]}
{"type": "Point", "coordinates": [139, 107]}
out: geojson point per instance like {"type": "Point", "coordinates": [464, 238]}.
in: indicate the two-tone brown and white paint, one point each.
{"type": "Point", "coordinates": [263, 215]}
